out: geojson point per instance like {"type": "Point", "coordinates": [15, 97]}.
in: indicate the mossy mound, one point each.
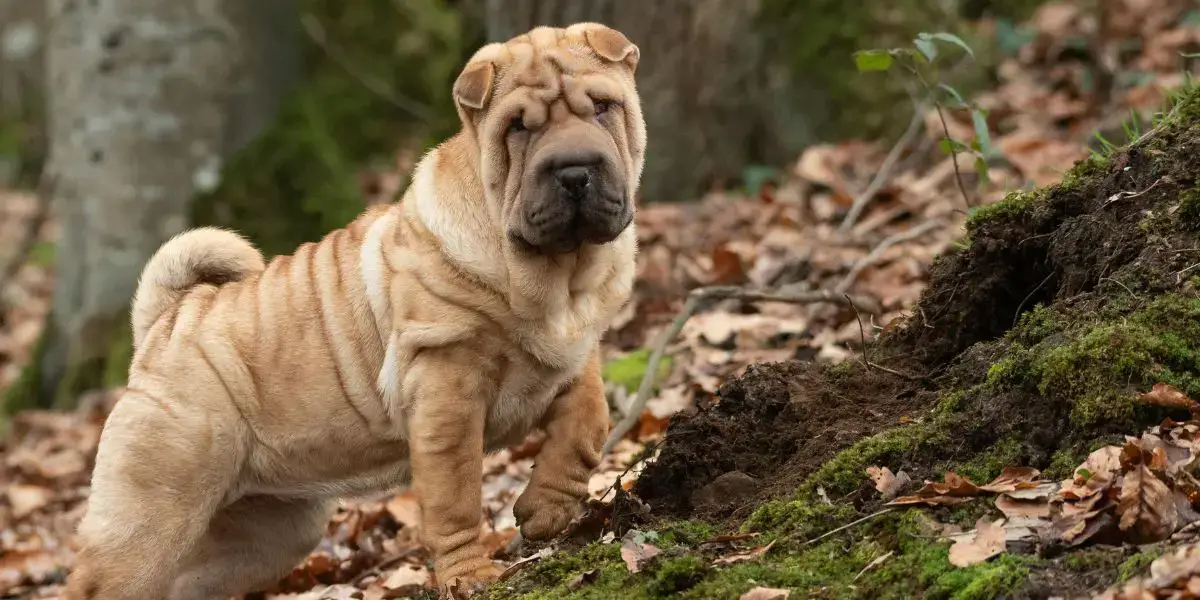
{"type": "Point", "coordinates": [1028, 347]}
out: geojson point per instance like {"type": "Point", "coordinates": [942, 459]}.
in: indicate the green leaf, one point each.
{"type": "Point", "coordinates": [873, 60]}
{"type": "Point", "coordinates": [953, 94]}
{"type": "Point", "coordinates": [948, 38]}
{"type": "Point", "coordinates": [927, 47]}
{"type": "Point", "coordinates": [950, 146]}
{"type": "Point", "coordinates": [979, 119]}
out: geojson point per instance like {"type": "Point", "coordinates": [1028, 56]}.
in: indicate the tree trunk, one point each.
{"type": "Point", "coordinates": [146, 98]}
{"type": "Point", "coordinates": [714, 99]}
{"type": "Point", "coordinates": [22, 41]}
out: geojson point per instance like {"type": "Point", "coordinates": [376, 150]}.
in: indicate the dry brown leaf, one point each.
{"type": "Point", "coordinates": [743, 555]}
{"type": "Point", "coordinates": [1012, 507]}
{"type": "Point", "coordinates": [25, 499]}
{"type": "Point", "coordinates": [1169, 396]}
{"type": "Point", "coordinates": [887, 483]}
{"type": "Point", "coordinates": [1012, 479]}
{"type": "Point", "coordinates": [407, 577]}
{"type": "Point", "coordinates": [636, 555]}
{"type": "Point", "coordinates": [956, 489]}
{"type": "Point", "coordinates": [766, 593]}
{"type": "Point", "coordinates": [1146, 506]}
{"type": "Point", "coordinates": [405, 508]}
{"type": "Point", "coordinates": [986, 541]}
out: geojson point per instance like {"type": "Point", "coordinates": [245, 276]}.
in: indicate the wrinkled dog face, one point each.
{"type": "Point", "coordinates": [560, 132]}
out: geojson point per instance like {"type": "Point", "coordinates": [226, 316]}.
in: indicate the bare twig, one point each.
{"type": "Point", "coordinates": [847, 526]}
{"type": "Point", "coordinates": [862, 334]}
{"type": "Point", "coordinates": [873, 564]}
{"type": "Point", "coordinates": [953, 155]}
{"type": "Point", "coordinates": [885, 169]}
{"type": "Point", "coordinates": [316, 32]}
{"type": "Point", "coordinates": [697, 298]}
{"type": "Point", "coordinates": [29, 236]}
{"type": "Point", "coordinates": [878, 251]}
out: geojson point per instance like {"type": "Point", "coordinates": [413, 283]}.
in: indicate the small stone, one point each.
{"type": "Point", "coordinates": [730, 488]}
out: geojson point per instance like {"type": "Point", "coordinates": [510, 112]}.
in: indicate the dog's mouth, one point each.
{"type": "Point", "coordinates": [572, 203]}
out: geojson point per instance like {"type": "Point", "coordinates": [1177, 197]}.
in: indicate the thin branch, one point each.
{"type": "Point", "coordinates": [885, 169]}
{"type": "Point", "coordinates": [697, 298]}
{"type": "Point", "coordinates": [316, 32]}
{"type": "Point", "coordinates": [953, 155]}
{"type": "Point", "coordinates": [847, 526]}
{"type": "Point", "coordinates": [878, 251]}
{"type": "Point", "coordinates": [29, 237]}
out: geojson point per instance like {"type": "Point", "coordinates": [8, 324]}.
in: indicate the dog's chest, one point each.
{"type": "Point", "coordinates": [529, 385]}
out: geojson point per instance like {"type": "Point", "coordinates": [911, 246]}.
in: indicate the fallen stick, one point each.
{"type": "Point", "coordinates": [885, 170]}
{"type": "Point", "coordinates": [847, 526]}
{"type": "Point", "coordinates": [695, 299]}
{"type": "Point", "coordinates": [878, 251]}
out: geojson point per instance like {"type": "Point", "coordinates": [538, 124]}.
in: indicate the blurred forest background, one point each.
{"type": "Point", "coordinates": [279, 117]}
{"type": "Point", "coordinates": [776, 161]}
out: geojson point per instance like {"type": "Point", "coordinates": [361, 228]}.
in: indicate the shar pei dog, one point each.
{"type": "Point", "coordinates": [398, 350]}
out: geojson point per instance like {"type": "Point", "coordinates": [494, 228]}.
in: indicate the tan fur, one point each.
{"type": "Point", "coordinates": [401, 348]}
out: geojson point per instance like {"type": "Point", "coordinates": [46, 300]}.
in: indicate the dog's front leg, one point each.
{"type": "Point", "coordinates": [446, 444]}
{"type": "Point", "coordinates": [575, 425]}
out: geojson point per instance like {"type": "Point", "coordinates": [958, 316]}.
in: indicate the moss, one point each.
{"type": "Point", "coordinates": [1085, 171]}
{"type": "Point", "coordinates": [23, 393]}
{"type": "Point", "coordinates": [628, 370]}
{"type": "Point", "coordinates": [1014, 206]}
{"type": "Point", "coordinates": [1189, 208]}
{"type": "Point", "coordinates": [1137, 564]}
{"type": "Point", "coordinates": [686, 533]}
{"type": "Point", "coordinates": [985, 466]}
{"type": "Point", "coordinates": [1103, 365]}
{"type": "Point", "coordinates": [677, 574]}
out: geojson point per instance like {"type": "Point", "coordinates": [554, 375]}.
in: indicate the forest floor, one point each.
{"type": "Point", "coordinates": [785, 446]}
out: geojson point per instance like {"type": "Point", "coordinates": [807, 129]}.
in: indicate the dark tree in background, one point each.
{"type": "Point", "coordinates": [716, 98]}
{"type": "Point", "coordinates": [146, 100]}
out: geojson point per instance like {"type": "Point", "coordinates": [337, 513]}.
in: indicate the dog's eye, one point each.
{"type": "Point", "coordinates": [516, 125]}
{"type": "Point", "coordinates": [602, 106]}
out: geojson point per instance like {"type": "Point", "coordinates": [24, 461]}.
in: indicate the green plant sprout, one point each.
{"type": "Point", "coordinates": [921, 62]}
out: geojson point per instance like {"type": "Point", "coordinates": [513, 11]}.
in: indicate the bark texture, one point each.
{"type": "Point", "coordinates": [146, 98]}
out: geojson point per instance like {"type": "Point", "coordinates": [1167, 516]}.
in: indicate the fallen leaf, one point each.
{"type": "Point", "coordinates": [636, 554]}
{"type": "Point", "coordinates": [766, 593]}
{"type": "Point", "coordinates": [1169, 396]}
{"type": "Point", "coordinates": [956, 489]}
{"type": "Point", "coordinates": [405, 508]}
{"type": "Point", "coordinates": [25, 499]}
{"type": "Point", "coordinates": [887, 483]}
{"type": "Point", "coordinates": [986, 541]}
{"type": "Point", "coordinates": [1146, 506]}
{"type": "Point", "coordinates": [1013, 478]}
{"type": "Point", "coordinates": [407, 577]}
{"type": "Point", "coordinates": [1012, 507]}
{"type": "Point", "coordinates": [743, 555]}
{"type": "Point", "coordinates": [583, 579]}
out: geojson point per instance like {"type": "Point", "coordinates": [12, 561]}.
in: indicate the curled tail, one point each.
{"type": "Point", "coordinates": [206, 255]}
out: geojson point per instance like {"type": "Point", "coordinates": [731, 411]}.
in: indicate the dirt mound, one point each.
{"type": "Point", "coordinates": [1027, 347]}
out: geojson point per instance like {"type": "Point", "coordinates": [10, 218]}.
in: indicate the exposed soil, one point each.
{"type": "Point", "coordinates": [775, 423]}
{"type": "Point", "coordinates": [1104, 244]}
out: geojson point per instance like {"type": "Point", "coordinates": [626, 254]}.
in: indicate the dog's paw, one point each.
{"type": "Point", "coordinates": [458, 587]}
{"type": "Point", "coordinates": [543, 514]}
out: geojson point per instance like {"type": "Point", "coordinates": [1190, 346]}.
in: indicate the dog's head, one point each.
{"type": "Point", "coordinates": [556, 119]}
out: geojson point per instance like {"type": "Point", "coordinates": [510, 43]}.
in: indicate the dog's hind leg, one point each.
{"type": "Point", "coordinates": [162, 471]}
{"type": "Point", "coordinates": [250, 545]}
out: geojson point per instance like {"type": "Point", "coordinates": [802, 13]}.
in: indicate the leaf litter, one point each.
{"type": "Point", "coordinates": [782, 237]}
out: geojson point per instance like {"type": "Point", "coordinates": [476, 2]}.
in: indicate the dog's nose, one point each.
{"type": "Point", "coordinates": [574, 179]}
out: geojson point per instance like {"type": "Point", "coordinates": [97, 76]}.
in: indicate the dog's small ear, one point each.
{"type": "Point", "coordinates": [612, 45]}
{"type": "Point", "coordinates": [473, 88]}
